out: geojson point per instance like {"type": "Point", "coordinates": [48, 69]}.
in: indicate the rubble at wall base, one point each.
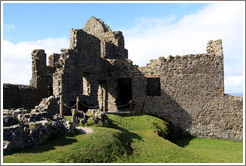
{"type": "Point", "coordinates": [23, 128]}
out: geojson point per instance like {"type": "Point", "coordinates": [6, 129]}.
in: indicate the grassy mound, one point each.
{"type": "Point", "coordinates": [131, 139]}
{"type": "Point", "coordinates": [148, 147]}
{"type": "Point", "coordinates": [103, 145]}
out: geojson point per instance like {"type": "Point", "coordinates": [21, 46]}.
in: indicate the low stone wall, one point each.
{"type": "Point", "coordinates": [16, 96]}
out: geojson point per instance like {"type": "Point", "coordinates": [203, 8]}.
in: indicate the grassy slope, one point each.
{"type": "Point", "coordinates": [222, 150]}
{"type": "Point", "coordinates": [155, 149]}
{"type": "Point", "coordinates": [133, 139]}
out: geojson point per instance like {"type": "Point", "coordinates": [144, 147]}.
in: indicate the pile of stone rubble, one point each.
{"type": "Point", "coordinates": [22, 128]}
{"type": "Point", "coordinates": [94, 116]}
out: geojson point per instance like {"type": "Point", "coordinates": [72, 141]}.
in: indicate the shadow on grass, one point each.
{"type": "Point", "coordinates": [175, 134]}
{"type": "Point", "coordinates": [127, 132]}
{"type": "Point", "coordinates": [183, 142]}
{"type": "Point", "coordinates": [126, 136]}
{"type": "Point", "coordinates": [45, 146]}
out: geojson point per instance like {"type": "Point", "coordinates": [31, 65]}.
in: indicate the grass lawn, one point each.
{"type": "Point", "coordinates": [131, 139]}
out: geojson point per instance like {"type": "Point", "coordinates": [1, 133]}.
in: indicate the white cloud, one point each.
{"type": "Point", "coordinates": [234, 84]}
{"type": "Point", "coordinates": [16, 58]}
{"type": "Point", "coordinates": [234, 80]}
{"type": "Point", "coordinates": [8, 27]}
{"type": "Point", "coordinates": [190, 35]}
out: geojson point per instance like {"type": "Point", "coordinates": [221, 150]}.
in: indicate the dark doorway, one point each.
{"type": "Point", "coordinates": [124, 93]}
{"type": "Point", "coordinates": [50, 91]}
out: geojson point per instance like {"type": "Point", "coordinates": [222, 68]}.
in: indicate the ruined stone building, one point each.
{"type": "Point", "coordinates": [187, 90]}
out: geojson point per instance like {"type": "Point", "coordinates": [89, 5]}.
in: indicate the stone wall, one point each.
{"type": "Point", "coordinates": [41, 73]}
{"type": "Point", "coordinates": [79, 72]}
{"type": "Point", "coordinates": [24, 96]}
{"type": "Point", "coordinates": [192, 94]}
{"type": "Point", "coordinates": [124, 69]}
{"type": "Point", "coordinates": [83, 68]}
{"type": "Point", "coordinates": [221, 117]}
{"type": "Point", "coordinates": [19, 96]}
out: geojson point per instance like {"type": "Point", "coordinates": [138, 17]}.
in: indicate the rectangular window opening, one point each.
{"type": "Point", "coordinates": [153, 86]}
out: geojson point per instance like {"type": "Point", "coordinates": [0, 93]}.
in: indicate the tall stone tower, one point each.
{"type": "Point", "coordinates": [40, 75]}
{"type": "Point", "coordinates": [38, 68]}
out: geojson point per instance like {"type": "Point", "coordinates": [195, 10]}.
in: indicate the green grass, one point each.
{"type": "Point", "coordinates": [68, 118]}
{"type": "Point", "coordinates": [132, 139]}
{"type": "Point", "coordinates": [223, 150]}
{"type": "Point", "coordinates": [101, 146]}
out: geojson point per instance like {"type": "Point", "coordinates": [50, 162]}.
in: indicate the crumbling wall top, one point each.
{"type": "Point", "coordinates": [214, 47]}
{"type": "Point", "coordinates": [53, 58]}
{"type": "Point", "coordinates": [97, 33]}
{"type": "Point", "coordinates": [36, 51]}
{"type": "Point", "coordinates": [96, 27]}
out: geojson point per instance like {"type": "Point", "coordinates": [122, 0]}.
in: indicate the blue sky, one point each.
{"type": "Point", "coordinates": [176, 28]}
{"type": "Point", "coordinates": [54, 20]}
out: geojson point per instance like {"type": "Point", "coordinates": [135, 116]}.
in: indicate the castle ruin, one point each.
{"type": "Point", "coordinates": [187, 90]}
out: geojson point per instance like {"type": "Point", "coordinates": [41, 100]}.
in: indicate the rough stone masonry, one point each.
{"type": "Point", "coordinates": [187, 90]}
